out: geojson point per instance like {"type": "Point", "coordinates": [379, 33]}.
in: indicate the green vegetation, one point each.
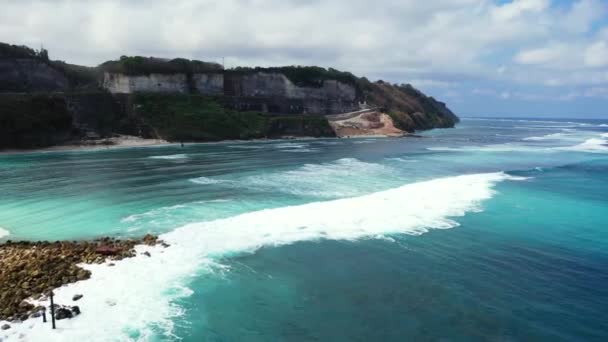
{"type": "Point", "coordinates": [179, 117]}
{"type": "Point", "coordinates": [138, 65]}
{"type": "Point", "coordinates": [304, 76]}
{"type": "Point", "coordinates": [79, 76]}
{"type": "Point", "coordinates": [33, 120]}
{"type": "Point", "coordinates": [20, 51]}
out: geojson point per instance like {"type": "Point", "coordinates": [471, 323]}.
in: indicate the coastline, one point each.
{"type": "Point", "coordinates": [126, 141]}
{"type": "Point", "coordinates": [31, 270]}
{"type": "Point", "coordinates": [121, 141]}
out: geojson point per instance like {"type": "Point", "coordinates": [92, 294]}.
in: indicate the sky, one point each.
{"type": "Point", "coordinates": [527, 58]}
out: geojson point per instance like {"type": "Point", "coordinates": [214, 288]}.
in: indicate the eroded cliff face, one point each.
{"type": "Point", "coordinates": [30, 75]}
{"type": "Point", "coordinates": [45, 102]}
{"type": "Point", "coordinates": [199, 83]}
{"type": "Point", "coordinates": [260, 91]}
{"type": "Point", "coordinates": [409, 108]}
{"type": "Point", "coordinates": [274, 92]}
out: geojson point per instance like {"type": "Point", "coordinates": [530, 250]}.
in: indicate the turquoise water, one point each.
{"type": "Point", "coordinates": [517, 250]}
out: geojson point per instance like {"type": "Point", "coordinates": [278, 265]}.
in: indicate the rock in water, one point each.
{"type": "Point", "coordinates": [75, 310]}
{"type": "Point", "coordinates": [76, 297]}
{"type": "Point", "coordinates": [5, 327]}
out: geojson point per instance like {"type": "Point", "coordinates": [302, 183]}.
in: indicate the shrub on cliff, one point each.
{"type": "Point", "coordinates": [304, 76]}
{"type": "Point", "coordinates": [33, 120]}
{"type": "Point", "coordinates": [138, 65]}
{"type": "Point", "coordinates": [179, 117]}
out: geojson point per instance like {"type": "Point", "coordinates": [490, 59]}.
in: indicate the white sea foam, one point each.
{"type": "Point", "coordinates": [170, 157]}
{"type": "Point", "coordinates": [585, 141]}
{"type": "Point", "coordinates": [207, 180]}
{"type": "Point", "coordinates": [291, 145]}
{"type": "Point", "coordinates": [3, 232]}
{"type": "Point", "coordinates": [135, 299]}
{"type": "Point", "coordinates": [403, 160]}
{"type": "Point", "coordinates": [489, 148]}
{"type": "Point", "coordinates": [299, 150]}
{"type": "Point", "coordinates": [593, 145]}
{"type": "Point", "coordinates": [525, 120]}
{"type": "Point", "coordinates": [345, 177]}
{"type": "Point", "coordinates": [552, 136]}
{"type": "Point", "coordinates": [247, 147]}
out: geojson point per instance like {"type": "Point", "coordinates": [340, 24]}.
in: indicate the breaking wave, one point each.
{"type": "Point", "coordinates": [135, 299]}
{"type": "Point", "coordinates": [552, 136]}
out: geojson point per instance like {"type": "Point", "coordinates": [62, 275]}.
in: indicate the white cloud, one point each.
{"type": "Point", "coordinates": [596, 54]}
{"type": "Point", "coordinates": [583, 14]}
{"type": "Point", "coordinates": [518, 8]}
{"type": "Point", "coordinates": [551, 54]}
{"type": "Point", "coordinates": [446, 41]}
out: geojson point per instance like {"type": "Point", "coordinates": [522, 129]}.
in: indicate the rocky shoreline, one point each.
{"type": "Point", "coordinates": [30, 270]}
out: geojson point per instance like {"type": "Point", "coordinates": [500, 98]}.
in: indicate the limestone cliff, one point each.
{"type": "Point", "coordinates": [45, 102]}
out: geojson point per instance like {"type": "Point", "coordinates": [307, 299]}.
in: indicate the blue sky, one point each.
{"type": "Point", "coordinates": [482, 57]}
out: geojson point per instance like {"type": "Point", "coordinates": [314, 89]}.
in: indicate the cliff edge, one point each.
{"type": "Point", "coordinates": [45, 102]}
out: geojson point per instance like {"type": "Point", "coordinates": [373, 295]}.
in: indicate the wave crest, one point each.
{"type": "Point", "coordinates": [145, 289]}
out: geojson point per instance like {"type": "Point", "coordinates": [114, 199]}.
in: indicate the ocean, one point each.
{"type": "Point", "coordinates": [495, 230]}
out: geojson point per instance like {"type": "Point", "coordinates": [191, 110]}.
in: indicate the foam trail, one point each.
{"type": "Point", "coordinates": [3, 232]}
{"type": "Point", "coordinates": [546, 137]}
{"type": "Point", "coordinates": [206, 181]}
{"type": "Point", "coordinates": [170, 157]}
{"type": "Point", "coordinates": [134, 299]}
{"type": "Point", "coordinates": [327, 180]}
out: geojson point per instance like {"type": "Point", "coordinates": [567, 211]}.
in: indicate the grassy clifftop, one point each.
{"type": "Point", "coordinates": [138, 65]}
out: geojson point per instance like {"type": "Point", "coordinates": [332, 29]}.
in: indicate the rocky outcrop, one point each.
{"type": "Point", "coordinates": [362, 123]}
{"type": "Point", "coordinates": [199, 83]}
{"type": "Point", "coordinates": [275, 93]}
{"type": "Point", "coordinates": [410, 109]}
{"type": "Point", "coordinates": [30, 269]}
{"type": "Point", "coordinates": [208, 83]}
{"type": "Point", "coordinates": [153, 83]}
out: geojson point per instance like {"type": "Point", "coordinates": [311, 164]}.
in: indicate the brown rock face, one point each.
{"type": "Point", "coordinates": [31, 269]}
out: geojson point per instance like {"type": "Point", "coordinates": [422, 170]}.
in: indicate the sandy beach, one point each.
{"type": "Point", "coordinates": [121, 141]}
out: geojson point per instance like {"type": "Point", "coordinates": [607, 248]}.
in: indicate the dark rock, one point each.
{"type": "Point", "coordinates": [33, 269]}
{"type": "Point", "coordinates": [63, 313]}
{"type": "Point", "coordinates": [147, 254]}
{"type": "Point", "coordinates": [76, 297]}
{"type": "Point", "coordinates": [75, 310]}
{"type": "Point", "coordinates": [5, 327]}
{"type": "Point", "coordinates": [108, 250]}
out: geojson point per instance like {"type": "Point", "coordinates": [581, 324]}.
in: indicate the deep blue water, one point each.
{"type": "Point", "coordinates": [528, 262]}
